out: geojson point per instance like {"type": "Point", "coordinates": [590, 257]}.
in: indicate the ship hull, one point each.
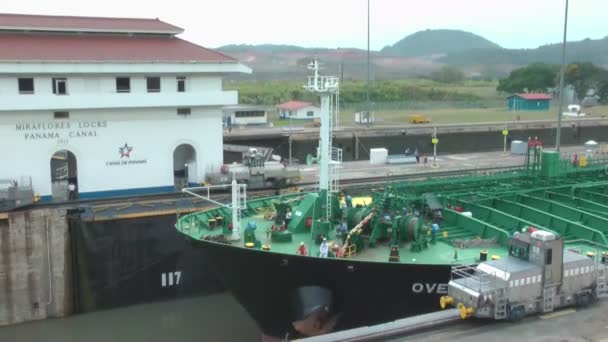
{"type": "Point", "coordinates": [129, 261]}
{"type": "Point", "coordinates": [363, 293]}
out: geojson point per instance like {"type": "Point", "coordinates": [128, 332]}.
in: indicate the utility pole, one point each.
{"type": "Point", "coordinates": [561, 84]}
{"type": "Point", "coordinates": [435, 141]}
{"type": "Point", "coordinates": [505, 132]}
{"type": "Point", "coordinates": [290, 134]}
{"type": "Point", "coordinates": [342, 68]}
{"type": "Point", "coordinates": [368, 77]}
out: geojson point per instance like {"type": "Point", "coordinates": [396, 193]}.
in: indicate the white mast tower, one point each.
{"type": "Point", "coordinates": [327, 87]}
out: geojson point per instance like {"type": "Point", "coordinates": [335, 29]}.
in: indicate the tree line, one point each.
{"type": "Point", "coordinates": [539, 77]}
{"type": "Point", "coordinates": [274, 92]}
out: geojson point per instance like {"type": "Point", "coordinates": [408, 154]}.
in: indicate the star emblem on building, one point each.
{"type": "Point", "coordinates": [125, 150]}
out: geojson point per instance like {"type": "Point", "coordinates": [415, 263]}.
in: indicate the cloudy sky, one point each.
{"type": "Point", "coordinates": [342, 23]}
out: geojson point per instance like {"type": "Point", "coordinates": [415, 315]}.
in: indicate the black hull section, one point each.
{"type": "Point", "coordinates": [129, 261]}
{"type": "Point", "coordinates": [364, 292]}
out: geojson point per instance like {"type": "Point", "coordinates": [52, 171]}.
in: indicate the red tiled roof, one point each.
{"type": "Point", "coordinates": [93, 48]}
{"type": "Point", "coordinates": [292, 105]}
{"type": "Point", "coordinates": [534, 96]}
{"type": "Point", "coordinates": [87, 24]}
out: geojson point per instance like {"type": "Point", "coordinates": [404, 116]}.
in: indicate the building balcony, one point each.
{"type": "Point", "coordinates": [116, 100]}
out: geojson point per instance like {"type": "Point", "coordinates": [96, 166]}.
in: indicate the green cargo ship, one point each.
{"type": "Point", "coordinates": [299, 272]}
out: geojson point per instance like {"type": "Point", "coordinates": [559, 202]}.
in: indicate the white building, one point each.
{"type": "Point", "coordinates": [298, 110]}
{"type": "Point", "coordinates": [113, 106]}
{"type": "Point", "coordinates": [245, 115]}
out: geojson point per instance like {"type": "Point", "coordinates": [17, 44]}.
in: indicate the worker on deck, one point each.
{"type": "Point", "coordinates": [342, 230]}
{"type": "Point", "coordinates": [417, 155]}
{"type": "Point", "coordinates": [335, 248]}
{"type": "Point", "coordinates": [349, 201]}
{"type": "Point", "coordinates": [323, 249]}
{"type": "Point", "coordinates": [287, 217]}
{"type": "Point", "coordinates": [302, 249]}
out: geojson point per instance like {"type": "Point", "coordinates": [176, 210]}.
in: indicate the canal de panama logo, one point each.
{"type": "Point", "coordinates": [125, 151]}
{"type": "Point", "coordinates": [125, 159]}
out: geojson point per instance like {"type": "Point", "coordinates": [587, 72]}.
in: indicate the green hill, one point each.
{"type": "Point", "coordinates": [432, 42]}
{"type": "Point", "coordinates": [266, 48]}
{"type": "Point", "coordinates": [587, 50]}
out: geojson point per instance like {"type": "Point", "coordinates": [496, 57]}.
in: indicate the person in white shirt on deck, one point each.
{"type": "Point", "coordinates": [287, 217]}
{"type": "Point", "coordinates": [323, 249]}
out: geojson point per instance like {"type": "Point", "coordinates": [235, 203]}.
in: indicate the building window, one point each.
{"type": "Point", "coordinates": [60, 86]}
{"type": "Point", "coordinates": [183, 111]}
{"type": "Point", "coordinates": [310, 113]}
{"type": "Point", "coordinates": [249, 114]}
{"type": "Point", "coordinates": [26, 85]}
{"type": "Point", "coordinates": [548, 256]}
{"type": "Point", "coordinates": [61, 115]}
{"type": "Point", "coordinates": [181, 84]}
{"type": "Point", "coordinates": [123, 85]}
{"type": "Point", "coordinates": [153, 84]}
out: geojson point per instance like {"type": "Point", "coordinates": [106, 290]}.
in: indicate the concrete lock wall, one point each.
{"type": "Point", "coordinates": [449, 142]}
{"type": "Point", "coordinates": [34, 267]}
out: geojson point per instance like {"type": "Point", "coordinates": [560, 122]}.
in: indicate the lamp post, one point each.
{"type": "Point", "coordinates": [435, 141]}
{"type": "Point", "coordinates": [505, 132]}
{"type": "Point", "coordinates": [561, 83]}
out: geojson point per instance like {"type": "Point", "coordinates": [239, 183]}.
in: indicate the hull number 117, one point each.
{"type": "Point", "coordinates": [170, 278]}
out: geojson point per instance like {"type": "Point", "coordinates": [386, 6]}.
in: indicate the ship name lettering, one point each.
{"type": "Point", "coordinates": [430, 288]}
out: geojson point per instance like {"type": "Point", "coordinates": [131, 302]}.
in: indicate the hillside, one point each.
{"type": "Point", "coordinates": [588, 50]}
{"type": "Point", "coordinates": [282, 62]}
{"type": "Point", "coordinates": [266, 48]}
{"type": "Point", "coordinates": [438, 42]}
{"type": "Point", "coordinates": [416, 55]}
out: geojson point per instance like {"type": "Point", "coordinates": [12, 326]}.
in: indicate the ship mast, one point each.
{"type": "Point", "coordinates": [327, 87]}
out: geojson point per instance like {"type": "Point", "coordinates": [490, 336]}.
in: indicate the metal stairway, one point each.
{"type": "Point", "coordinates": [601, 288]}
{"type": "Point", "coordinates": [500, 311]}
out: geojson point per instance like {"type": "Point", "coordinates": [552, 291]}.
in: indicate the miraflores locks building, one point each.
{"type": "Point", "coordinates": [112, 106]}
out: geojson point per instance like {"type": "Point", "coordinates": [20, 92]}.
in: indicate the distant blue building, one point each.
{"type": "Point", "coordinates": [533, 101]}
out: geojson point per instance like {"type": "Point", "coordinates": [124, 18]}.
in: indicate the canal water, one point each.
{"type": "Point", "coordinates": [208, 318]}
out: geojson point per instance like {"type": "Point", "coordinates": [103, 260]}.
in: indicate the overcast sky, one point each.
{"type": "Point", "coordinates": [342, 23]}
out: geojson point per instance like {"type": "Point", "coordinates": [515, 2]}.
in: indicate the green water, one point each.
{"type": "Point", "coordinates": [207, 318]}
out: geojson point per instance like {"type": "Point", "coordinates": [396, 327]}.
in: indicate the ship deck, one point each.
{"type": "Point", "coordinates": [479, 213]}
{"type": "Point", "coordinates": [440, 253]}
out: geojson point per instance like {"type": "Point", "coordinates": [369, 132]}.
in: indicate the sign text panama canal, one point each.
{"type": "Point", "coordinates": [60, 130]}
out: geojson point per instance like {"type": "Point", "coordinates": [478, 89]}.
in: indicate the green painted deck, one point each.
{"type": "Point", "coordinates": [571, 201]}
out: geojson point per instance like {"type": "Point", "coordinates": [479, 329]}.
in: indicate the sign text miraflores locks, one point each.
{"type": "Point", "coordinates": [61, 130]}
